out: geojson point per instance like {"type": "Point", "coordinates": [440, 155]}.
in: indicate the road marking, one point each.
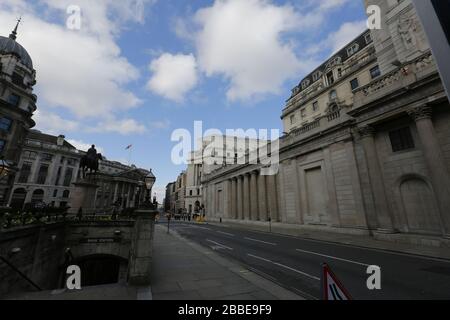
{"type": "Point", "coordinates": [219, 244]}
{"type": "Point", "coordinates": [335, 258]}
{"type": "Point", "coordinates": [283, 266]}
{"type": "Point", "coordinates": [226, 233]}
{"type": "Point", "coordinates": [251, 239]}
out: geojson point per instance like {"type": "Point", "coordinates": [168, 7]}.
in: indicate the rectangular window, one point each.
{"type": "Point", "coordinates": [30, 155]}
{"type": "Point", "coordinates": [401, 139]}
{"type": "Point", "coordinates": [42, 175]}
{"type": "Point", "coordinates": [293, 120]}
{"type": "Point", "coordinates": [354, 84]}
{"type": "Point", "coordinates": [14, 99]}
{"type": "Point", "coordinates": [368, 38]}
{"type": "Point", "coordinates": [68, 177]}
{"type": "Point", "coordinates": [5, 124]}
{"type": "Point", "coordinates": [47, 157]}
{"type": "Point", "coordinates": [25, 172]}
{"type": "Point", "coordinates": [316, 106]}
{"type": "Point", "coordinates": [17, 79]}
{"type": "Point", "coordinates": [375, 72]}
{"type": "Point", "coordinates": [352, 49]}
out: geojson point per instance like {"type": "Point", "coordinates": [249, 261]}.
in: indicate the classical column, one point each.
{"type": "Point", "coordinates": [272, 200]}
{"type": "Point", "coordinates": [234, 213]}
{"type": "Point", "coordinates": [239, 202]}
{"type": "Point", "coordinates": [262, 197]}
{"type": "Point", "coordinates": [435, 161]}
{"type": "Point", "coordinates": [246, 197]}
{"type": "Point", "coordinates": [384, 219]}
{"type": "Point", "coordinates": [253, 196]}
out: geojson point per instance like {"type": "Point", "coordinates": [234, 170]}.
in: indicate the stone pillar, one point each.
{"type": "Point", "coordinates": [262, 197]}
{"type": "Point", "coordinates": [234, 212]}
{"type": "Point", "coordinates": [384, 218]}
{"type": "Point", "coordinates": [440, 177]}
{"type": "Point", "coordinates": [272, 200]}
{"type": "Point", "coordinates": [142, 248]}
{"type": "Point", "coordinates": [239, 202]}
{"type": "Point", "coordinates": [246, 197]}
{"type": "Point", "coordinates": [253, 196]}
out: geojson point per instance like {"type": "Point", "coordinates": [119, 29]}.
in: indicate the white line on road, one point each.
{"type": "Point", "coordinates": [283, 266]}
{"type": "Point", "coordinates": [226, 233]}
{"type": "Point", "coordinates": [335, 258]}
{"type": "Point", "coordinates": [250, 239]}
{"type": "Point", "coordinates": [219, 244]}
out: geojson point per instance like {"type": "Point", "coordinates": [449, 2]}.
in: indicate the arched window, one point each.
{"type": "Point", "coordinates": [38, 196]}
{"type": "Point", "coordinates": [66, 194]}
{"type": "Point", "coordinates": [18, 199]}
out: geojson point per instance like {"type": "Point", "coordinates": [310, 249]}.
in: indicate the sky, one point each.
{"type": "Point", "coordinates": [136, 70]}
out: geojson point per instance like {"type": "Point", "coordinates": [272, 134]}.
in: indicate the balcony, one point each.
{"type": "Point", "coordinates": [399, 79]}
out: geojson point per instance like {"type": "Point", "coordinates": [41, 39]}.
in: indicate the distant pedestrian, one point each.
{"type": "Point", "coordinates": [80, 214]}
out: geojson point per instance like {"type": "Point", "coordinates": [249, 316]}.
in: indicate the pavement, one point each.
{"type": "Point", "coordinates": [294, 263]}
{"type": "Point", "coordinates": [183, 270]}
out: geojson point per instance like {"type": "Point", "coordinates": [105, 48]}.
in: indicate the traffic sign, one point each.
{"type": "Point", "coordinates": [332, 288]}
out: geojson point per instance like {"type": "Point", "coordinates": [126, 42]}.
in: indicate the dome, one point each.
{"type": "Point", "coordinates": [10, 46]}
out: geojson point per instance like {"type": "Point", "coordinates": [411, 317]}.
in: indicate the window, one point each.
{"type": "Point", "coordinates": [352, 49]}
{"type": "Point", "coordinates": [368, 38]}
{"type": "Point", "coordinates": [190, 193]}
{"type": "Point", "coordinates": [14, 99]}
{"type": "Point", "coordinates": [55, 193]}
{"type": "Point", "coordinates": [316, 106]}
{"type": "Point", "coordinates": [62, 160]}
{"type": "Point", "coordinates": [303, 113]}
{"type": "Point", "coordinates": [375, 72]}
{"type": "Point", "coordinates": [5, 124]}
{"type": "Point", "coordinates": [293, 120]}
{"type": "Point", "coordinates": [71, 162]}
{"type": "Point", "coordinates": [30, 155]}
{"type": "Point", "coordinates": [25, 172]}
{"type": "Point", "coordinates": [42, 175]}
{"type": "Point", "coordinates": [333, 95]}
{"type": "Point", "coordinates": [401, 139]}
{"type": "Point", "coordinates": [2, 145]}
{"type": "Point", "coordinates": [47, 157]}
{"type": "Point", "coordinates": [330, 78]}
{"type": "Point", "coordinates": [354, 84]}
{"type": "Point", "coordinates": [17, 79]}
{"type": "Point", "coordinates": [317, 75]}
{"type": "Point", "coordinates": [68, 177]}
{"type": "Point", "coordinates": [198, 192]}
{"type": "Point", "coordinates": [66, 194]}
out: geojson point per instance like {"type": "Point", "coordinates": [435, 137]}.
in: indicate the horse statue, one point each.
{"type": "Point", "coordinates": [90, 161]}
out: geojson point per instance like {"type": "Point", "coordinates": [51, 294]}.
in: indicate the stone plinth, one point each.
{"type": "Point", "coordinates": [84, 197]}
{"type": "Point", "coordinates": [142, 248]}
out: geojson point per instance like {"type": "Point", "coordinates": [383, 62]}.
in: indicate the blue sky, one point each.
{"type": "Point", "coordinates": [138, 69]}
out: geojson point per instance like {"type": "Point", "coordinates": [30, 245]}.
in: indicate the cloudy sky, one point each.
{"type": "Point", "coordinates": [138, 69]}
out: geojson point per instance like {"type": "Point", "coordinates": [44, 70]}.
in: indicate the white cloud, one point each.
{"type": "Point", "coordinates": [81, 71]}
{"type": "Point", "coordinates": [162, 124]}
{"type": "Point", "coordinates": [242, 41]}
{"type": "Point", "coordinates": [80, 145]}
{"type": "Point", "coordinates": [122, 126]}
{"type": "Point", "coordinates": [346, 33]}
{"type": "Point", "coordinates": [173, 76]}
{"type": "Point", "coordinates": [54, 124]}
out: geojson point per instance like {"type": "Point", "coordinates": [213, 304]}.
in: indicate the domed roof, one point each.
{"type": "Point", "coordinates": [10, 46]}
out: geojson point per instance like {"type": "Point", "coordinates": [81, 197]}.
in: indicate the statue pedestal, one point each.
{"type": "Point", "coordinates": [84, 197]}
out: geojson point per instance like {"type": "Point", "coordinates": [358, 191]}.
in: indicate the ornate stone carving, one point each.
{"type": "Point", "coordinates": [419, 113]}
{"type": "Point", "coordinates": [366, 131]}
{"type": "Point", "coordinates": [407, 29]}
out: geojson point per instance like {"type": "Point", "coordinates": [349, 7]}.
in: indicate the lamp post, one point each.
{"type": "Point", "coordinates": [149, 181]}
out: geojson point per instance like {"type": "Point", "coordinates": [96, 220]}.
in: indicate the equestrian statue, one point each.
{"type": "Point", "coordinates": [90, 161]}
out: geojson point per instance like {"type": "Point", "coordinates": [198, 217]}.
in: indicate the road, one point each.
{"type": "Point", "coordinates": [295, 263]}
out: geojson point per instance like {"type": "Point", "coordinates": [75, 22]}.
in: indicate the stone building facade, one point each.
{"type": "Point", "coordinates": [48, 167]}
{"type": "Point", "coordinates": [17, 104]}
{"type": "Point", "coordinates": [375, 159]}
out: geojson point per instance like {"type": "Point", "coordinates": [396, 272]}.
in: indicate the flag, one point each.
{"type": "Point", "coordinates": [129, 147]}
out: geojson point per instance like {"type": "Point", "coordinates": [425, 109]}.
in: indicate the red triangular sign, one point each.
{"type": "Point", "coordinates": [331, 286]}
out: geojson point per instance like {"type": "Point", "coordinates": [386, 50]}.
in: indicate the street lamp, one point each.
{"type": "Point", "coordinates": [149, 181]}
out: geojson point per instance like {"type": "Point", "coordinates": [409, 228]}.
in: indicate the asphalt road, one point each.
{"type": "Point", "coordinates": [295, 263]}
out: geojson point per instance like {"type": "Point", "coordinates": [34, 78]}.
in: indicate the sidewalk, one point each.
{"type": "Point", "coordinates": [183, 270]}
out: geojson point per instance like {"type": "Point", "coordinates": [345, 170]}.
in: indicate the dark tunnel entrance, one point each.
{"type": "Point", "coordinates": [99, 270]}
